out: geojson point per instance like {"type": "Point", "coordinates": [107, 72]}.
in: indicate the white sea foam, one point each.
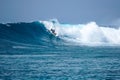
{"type": "Point", "coordinates": [89, 33]}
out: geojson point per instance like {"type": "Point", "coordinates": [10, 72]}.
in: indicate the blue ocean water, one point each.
{"type": "Point", "coordinates": [30, 51]}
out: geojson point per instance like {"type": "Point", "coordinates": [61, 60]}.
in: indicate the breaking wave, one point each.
{"type": "Point", "coordinates": [39, 33]}
{"type": "Point", "coordinates": [87, 34]}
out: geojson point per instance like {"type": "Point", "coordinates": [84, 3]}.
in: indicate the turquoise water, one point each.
{"type": "Point", "coordinates": [65, 63]}
{"type": "Point", "coordinates": [29, 51]}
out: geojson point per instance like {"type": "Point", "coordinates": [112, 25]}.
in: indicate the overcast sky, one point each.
{"type": "Point", "coordinates": [66, 11]}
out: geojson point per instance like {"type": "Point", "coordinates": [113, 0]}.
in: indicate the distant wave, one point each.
{"type": "Point", "coordinates": [38, 33]}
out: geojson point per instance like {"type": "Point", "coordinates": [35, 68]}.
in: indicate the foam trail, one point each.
{"type": "Point", "coordinates": [90, 33]}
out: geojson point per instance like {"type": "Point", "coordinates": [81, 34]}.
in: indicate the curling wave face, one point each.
{"type": "Point", "coordinates": [33, 33]}
{"type": "Point", "coordinates": [39, 33]}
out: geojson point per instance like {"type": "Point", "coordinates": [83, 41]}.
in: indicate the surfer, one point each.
{"type": "Point", "coordinates": [53, 31]}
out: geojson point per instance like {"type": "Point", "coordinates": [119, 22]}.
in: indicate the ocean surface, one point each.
{"type": "Point", "coordinates": [30, 51]}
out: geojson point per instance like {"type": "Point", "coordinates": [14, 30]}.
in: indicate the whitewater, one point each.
{"type": "Point", "coordinates": [88, 34]}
